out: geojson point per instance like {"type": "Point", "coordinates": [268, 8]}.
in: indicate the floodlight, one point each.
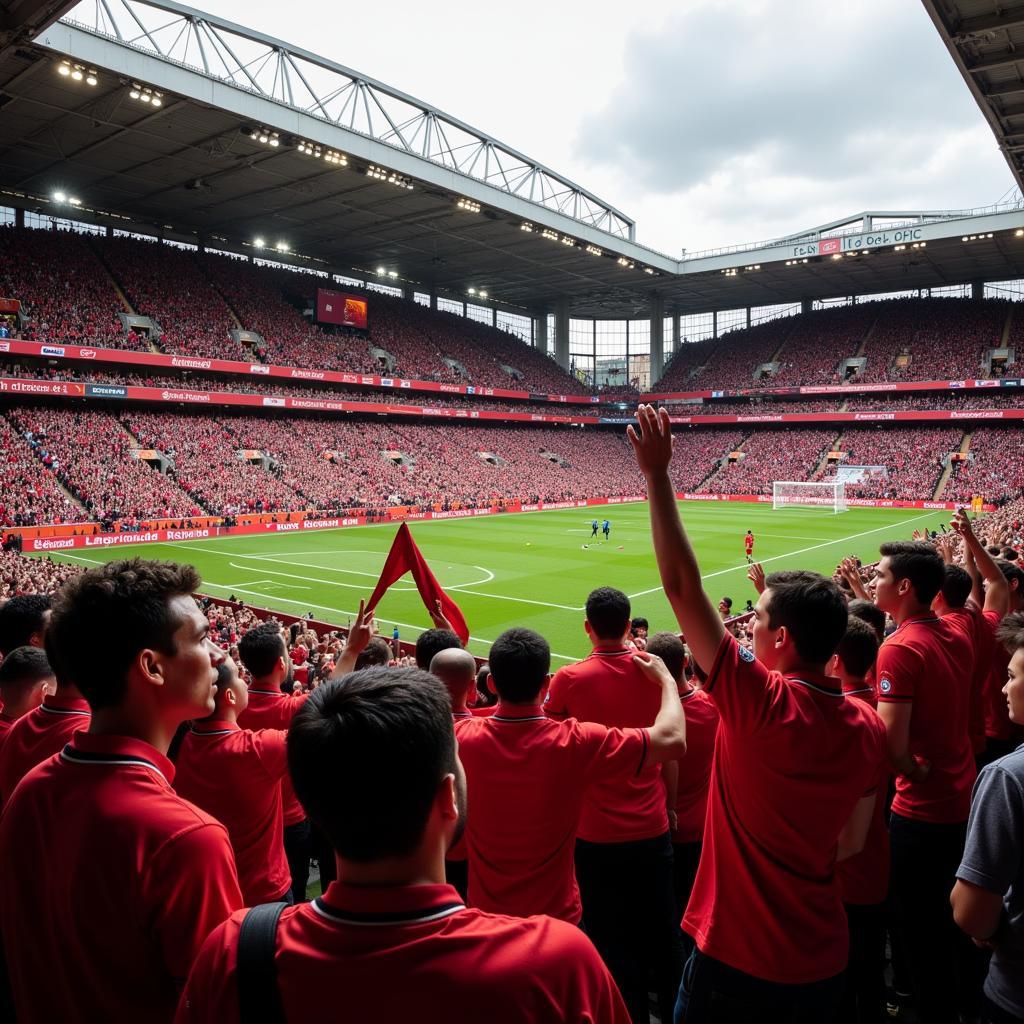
{"type": "Point", "coordinates": [63, 69]}
{"type": "Point", "coordinates": [258, 243]}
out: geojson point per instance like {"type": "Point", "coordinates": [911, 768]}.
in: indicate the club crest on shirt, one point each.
{"type": "Point", "coordinates": [746, 654]}
{"type": "Point", "coordinates": [885, 685]}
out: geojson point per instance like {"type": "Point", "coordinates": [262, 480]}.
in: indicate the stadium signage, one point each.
{"type": "Point", "coordinates": [857, 243]}
{"type": "Point", "coordinates": [104, 540]}
{"type": "Point", "coordinates": [105, 391]}
{"type": "Point", "coordinates": [259, 368]}
{"type": "Point", "coordinates": [52, 350]}
{"type": "Point", "coordinates": [300, 374]}
{"type": "Point", "coordinates": [5, 346]}
{"type": "Point", "coordinates": [180, 396]}
{"type": "Point", "coordinates": [192, 364]}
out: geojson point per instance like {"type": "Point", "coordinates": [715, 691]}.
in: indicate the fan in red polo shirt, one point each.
{"type": "Point", "coordinates": [792, 781]}
{"type": "Point", "coordinates": [135, 876]}
{"type": "Point", "coordinates": [527, 774]}
{"type": "Point", "coordinates": [924, 699]}
{"type": "Point", "coordinates": [233, 774]}
{"type": "Point", "coordinates": [389, 940]}
{"type": "Point", "coordinates": [25, 679]}
{"type": "Point", "coordinates": [623, 846]}
{"type": "Point", "coordinates": [263, 652]}
{"type": "Point", "coordinates": [41, 733]}
{"type": "Point", "coordinates": [1001, 735]}
{"type": "Point", "coordinates": [694, 772]}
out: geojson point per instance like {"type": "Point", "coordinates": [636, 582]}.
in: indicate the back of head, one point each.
{"type": "Point", "coordinates": [869, 612]}
{"type": "Point", "coordinates": [104, 617]}
{"type": "Point", "coordinates": [261, 648]}
{"type": "Point", "coordinates": [1010, 632]}
{"type": "Point", "coordinates": [23, 668]}
{"type": "Point", "coordinates": [520, 661]}
{"type": "Point", "coordinates": [430, 642]}
{"type": "Point", "coordinates": [608, 613]}
{"type": "Point", "coordinates": [671, 650]}
{"type": "Point", "coordinates": [366, 755]}
{"type": "Point", "coordinates": [811, 608]}
{"type": "Point", "coordinates": [23, 620]}
{"type": "Point", "coordinates": [456, 668]}
{"type": "Point", "coordinates": [956, 586]}
{"type": "Point", "coordinates": [858, 649]}
{"type": "Point", "coordinates": [377, 652]}
{"type": "Point", "coordinates": [1014, 576]}
{"type": "Point", "coordinates": [917, 562]}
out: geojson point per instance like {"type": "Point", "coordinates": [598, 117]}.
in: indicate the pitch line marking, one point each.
{"type": "Point", "coordinates": [802, 551]}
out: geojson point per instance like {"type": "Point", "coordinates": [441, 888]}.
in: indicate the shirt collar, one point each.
{"type": "Point", "coordinates": [517, 712]}
{"type": "Point", "coordinates": [390, 905]}
{"type": "Point", "coordinates": [91, 748]}
{"type": "Point", "coordinates": [610, 648]}
{"type": "Point", "coordinates": [55, 702]}
{"type": "Point", "coordinates": [214, 727]}
{"type": "Point", "coordinates": [822, 683]}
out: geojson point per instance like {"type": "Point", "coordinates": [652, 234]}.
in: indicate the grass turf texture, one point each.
{"type": "Point", "coordinates": [525, 570]}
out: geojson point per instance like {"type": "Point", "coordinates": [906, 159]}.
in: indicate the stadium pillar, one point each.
{"type": "Point", "coordinates": [540, 339]}
{"type": "Point", "coordinates": [433, 300]}
{"type": "Point", "coordinates": [562, 333]}
{"type": "Point", "coordinates": [805, 306]}
{"type": "Point", "coordinates": [748, 318]}
{"type": "Point", "coordinates": [407, 292]}
{"type": "Point", "coordinates": [657, 337]}
{"type": "Point", "coordinates": [676, 338]}
{"type": "Point", "coordinates": [977, 290]}
{"type": "Point", "coordinates": [19, 217]}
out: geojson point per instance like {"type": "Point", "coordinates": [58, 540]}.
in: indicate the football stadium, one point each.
{"type": "Point", "coordinates": [420, 597]}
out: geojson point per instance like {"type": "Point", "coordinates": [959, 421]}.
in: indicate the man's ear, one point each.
{"type": "Point", "coordinates": [447, 804]}
{"type": "Point", "coordinates": [149, 667]}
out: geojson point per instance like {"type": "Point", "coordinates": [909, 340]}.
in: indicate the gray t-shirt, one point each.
{"type": "Point", "coordinates": [994, 860]}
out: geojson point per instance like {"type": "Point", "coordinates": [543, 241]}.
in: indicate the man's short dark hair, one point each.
{"type": "Point", "coordinates": [918, 562]}
{"type": "Point", "coordinates": [430, 642]}
{"type": "Point", "coordinates": [520, 661]}
{"type": "Point", "coordinates": [377, 652]}
{"type": "Point", "coordinates": [858, 649]}
{"type": "Point", "coordinates": [20, 618]}
{"type": "Point", "coordinates": [366, 754]}
{"type": "Point", "coordinates": [671, 650]}
{"type": "Point", "coordinates": [956, 586]}
{"type": "Point", "coordinates": [1010, 632]}
{"type": "Point", "coordinates": [261, 647]}
{"type": "Point", "coordinates": [639, 622]}
{"type": "Point", "coordinates": [869, 612]}
{"type": "Point", "coordinates": [1010, 554]}
{"type": "Point", "coordinates": [811, 608]}
{"type": "Point", "coordinates": [23, 667]}
{"type": "Point", "coordinates": [104, 616]}
{"type": "Point", "coordinates": [608, 613]}
{"type": "Point", "coordinates": [1012, 571]}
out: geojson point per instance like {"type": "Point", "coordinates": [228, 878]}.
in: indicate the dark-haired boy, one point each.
{"type": "Point", "coordinates": [527, 776]}
{"type": "Point", "coordinates": [924, 694]}
{"type": "Point", "coordinates": [234, 774]}
{"type": "Point", "coordinates": [792, 783]}
{"type": "Point", "coordinates": [143, 876]}
{"type": "Point", "coordinates": [23, 620]}
{"type": "Point", "coordinates": [25, 679]}
{"type": "Point", "coordinates": [623, 846]}
{"type": "Point", "coordinates": [389, 940]}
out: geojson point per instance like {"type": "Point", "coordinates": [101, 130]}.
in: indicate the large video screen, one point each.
{"type": "Point", "coordinates": [340, 308]}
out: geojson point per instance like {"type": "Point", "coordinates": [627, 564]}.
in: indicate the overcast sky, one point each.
{"type": "Point", "coordinates": [709, 123]}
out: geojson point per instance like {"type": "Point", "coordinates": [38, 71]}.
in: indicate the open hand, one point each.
{"type": "Point", "coordinates": [651, 440]}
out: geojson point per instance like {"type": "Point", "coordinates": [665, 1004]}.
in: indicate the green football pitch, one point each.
{"type": "Point", "coordinates": [530, 569]}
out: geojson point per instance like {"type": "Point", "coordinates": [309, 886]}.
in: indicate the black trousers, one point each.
{"type": "Point", "coordinates": [715, 993]}
{"type": "Point", "coordinates": [298, 848]}
{"type": "Point", "coordinates": [630, 911]}
{"type": "Point", "coordinates": [864, 989]}
{"type": "Point", "coordinates": [941, 959]}
{"type": "Point", "coordinates": [685, 860]}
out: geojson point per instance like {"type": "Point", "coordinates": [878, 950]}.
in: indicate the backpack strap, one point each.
{"type": "Point", "coordinates": [259, 999]}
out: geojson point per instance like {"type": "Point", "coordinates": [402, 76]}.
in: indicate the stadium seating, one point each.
{"type": "Point", "coordinates": [995, 470]}
{"type": "Point", "coordinates": [29, 492]}
{"type": "Point", "coordinates": [771, 455]}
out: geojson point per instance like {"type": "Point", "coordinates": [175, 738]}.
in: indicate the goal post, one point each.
{"type": "Point", "coordinates": [818, 495]}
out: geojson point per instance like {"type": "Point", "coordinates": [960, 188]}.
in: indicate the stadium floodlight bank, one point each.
{"type": "Point", "coordinates": [820, 495]}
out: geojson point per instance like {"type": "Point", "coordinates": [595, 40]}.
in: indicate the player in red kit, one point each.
{"type": "Point", "coordinates": [748, 546]}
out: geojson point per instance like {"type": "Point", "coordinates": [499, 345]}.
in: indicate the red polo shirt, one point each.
{"type": "Point", "coordinates": [132, 878]}
{"type": "Point", "coordinates": [271, 709]}
{"type": "Point", "coordinates": [864, 878]}
{"type": "Point", "coordinates": [971, 623]}
{"type": "Point", "coordinates": [922, 663]}
{"type": "Point", "coordinates": [38, 735]}
{"type": "Point", "coordinates": [792, 759]}
{"type": "Point", "coordinates": [997, 713]}
{"type": "Point", "coordinates": [526, 777]}
{"type": "Point", "coordinates": [695, 766]}
{"type": "Point", "coordinates": [5, 725]}
{"type": "Point", "coordinates": [234, 774]}
{"type": "Point", "coordinates": [414, 953]}
{"type": "Point", "coordinates": [609, 689]}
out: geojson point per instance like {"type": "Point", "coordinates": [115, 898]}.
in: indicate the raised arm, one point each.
{"type": "Point", "coordinates": [359, 636]}
{"type": "Point", "coordinates": [677, 563]}
{"type": "Point", "coordinates": [997, 594]}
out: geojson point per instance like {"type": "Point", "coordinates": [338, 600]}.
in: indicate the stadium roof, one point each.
{"type": "Point", "coordinates": [158, 117]}
{"type": "Point", "coordinates": [986, 40]}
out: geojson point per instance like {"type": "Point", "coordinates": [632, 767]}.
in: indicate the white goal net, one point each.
{"type": "Point", "coordinates": [821, 495]}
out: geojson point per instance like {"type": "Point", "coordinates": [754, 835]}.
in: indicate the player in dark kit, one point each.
{"type": "Point", "coordinates": [606, 529]}
{"type": "Point", "coordinates": [593, 529]}
{"type": "Point", "coordinates": [748, 546]}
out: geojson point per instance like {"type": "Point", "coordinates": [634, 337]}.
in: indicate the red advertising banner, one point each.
{"type": "Point", "coordinates": [340, 308]}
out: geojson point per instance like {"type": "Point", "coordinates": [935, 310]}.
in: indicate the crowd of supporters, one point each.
{"type": "Point", "coordinates": [769, 455]}
{"type": "Point", "coordinates": [530, 859]}
{"type": "Point", "coordinates": [995, 468]}
{"type": "Point", "coordinates": [29, 492]}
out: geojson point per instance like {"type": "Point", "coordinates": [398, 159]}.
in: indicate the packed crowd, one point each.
{"type": "Point", "coordinates": [770, 455]}
{"type": "Point", "coordinates": [833, 796]}
{"type": "Point", "coordinates": [913, 459]}
{"type": "Point", "coordinates": [995, 468]}
{"type": "Point", "coordinates": [29, 493]}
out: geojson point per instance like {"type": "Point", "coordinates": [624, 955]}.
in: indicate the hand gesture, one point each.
{"type": "Point", "coordinates": [654, 668]}
{"type": "Point", "coordinates": [962, 524]}
{"type": "Point", "coordinates": [946, 547]}
{"type": "Point", "coordinates": [755, 573]}
{"type": "Point", "coordinates": [438, 618]}
{"type": "Point", "coordinates": [651, 440]}
{"type": "Point", "coordinates": [362, 631]}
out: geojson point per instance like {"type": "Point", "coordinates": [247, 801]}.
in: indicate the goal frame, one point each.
{"type": "Point", "coordinates": [819, 495]}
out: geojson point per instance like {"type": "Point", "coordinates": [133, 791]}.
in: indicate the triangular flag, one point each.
{"type": "Point", "coordinates": [404, 557]}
